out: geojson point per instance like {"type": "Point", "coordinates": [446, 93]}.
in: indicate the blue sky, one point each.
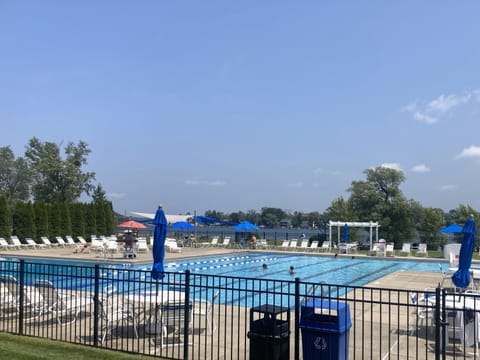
{"type": "Point", "coordinates": [237, 105]}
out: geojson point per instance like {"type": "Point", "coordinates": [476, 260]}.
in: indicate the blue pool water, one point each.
{"type": "Point", "coordinates": [356, 271]}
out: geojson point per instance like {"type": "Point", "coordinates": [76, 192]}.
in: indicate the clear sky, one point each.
{"type": "Point", "coordinates": [237, 105]}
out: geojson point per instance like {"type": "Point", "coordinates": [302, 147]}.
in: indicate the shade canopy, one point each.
{"type": "Point", "coordinates": [246, 226]}
{"type": "Point", "coordinates": [182, 225]}
{"type": "Point", "coordinates": [461, 278]}
{"type": "Point", "coordinates": [132, 224]}
{"type": "Point", "coordinates": [453, 228]}
{"type": "Point", "coordinates": [345, 232]}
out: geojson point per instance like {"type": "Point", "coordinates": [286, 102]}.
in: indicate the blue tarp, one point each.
{"type": "Point", "coordinates": [461, 277]}
{"type": "Point", "coordinates": [182, 225]}
{"type": "Point", "coordinates": [207, 220]}
{"type": "Point", "coordinates": [454, 228]}
{"type": "Point", "coordinates": [246, 226]}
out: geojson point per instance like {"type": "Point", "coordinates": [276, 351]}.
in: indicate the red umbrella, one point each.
{"type": "Point", "coordinates": [132, 224]}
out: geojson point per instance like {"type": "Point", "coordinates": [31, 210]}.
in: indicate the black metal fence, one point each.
{"type": "Point", "coordinates": [192, 316]}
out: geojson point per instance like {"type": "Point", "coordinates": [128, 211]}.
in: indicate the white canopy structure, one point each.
{"type": "Point", "coordinates": [171, 219]}
{"type": "Point", "coordinates": [372, 225]}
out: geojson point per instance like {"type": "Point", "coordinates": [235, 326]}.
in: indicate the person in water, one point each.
{"type": "Point", "coordinates": [292, 270]}
{"type": "Point", "coordinates": [264, 266]}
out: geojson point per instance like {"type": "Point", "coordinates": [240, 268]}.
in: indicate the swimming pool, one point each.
{"type": "Point", "coordinates": [351, 271]}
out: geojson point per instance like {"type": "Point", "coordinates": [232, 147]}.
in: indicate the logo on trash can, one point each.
{"type": "Point", "coordinates": [320, 343]}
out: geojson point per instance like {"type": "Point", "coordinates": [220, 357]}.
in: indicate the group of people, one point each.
{"type": "Point", "coordinates": [291, 270]}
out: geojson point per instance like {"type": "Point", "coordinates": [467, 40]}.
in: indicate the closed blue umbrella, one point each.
{"type": "Point", "coordinates": [159, 235]}
{"type": "Point", "coordinates": [461, 277]}
{"type": "Point", "coordinates": [345, 233]}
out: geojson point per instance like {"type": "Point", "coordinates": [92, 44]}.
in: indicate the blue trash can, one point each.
{"type": "Point", "coordinates": [325, 327]}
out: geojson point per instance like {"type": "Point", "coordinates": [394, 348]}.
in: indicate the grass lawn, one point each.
{"type": "Point", "coordinates": [22, 347]}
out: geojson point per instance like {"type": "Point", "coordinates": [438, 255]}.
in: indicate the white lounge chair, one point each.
{"type": "Point", "coordinates": [6, 246]}
{"type": "Point", "coordinates": [406, 249]}
{"type": "Point", "coordinates": [293, 244]}
{"type": "Point", "coordinates": [325, 246]}
{"type": "Point", "coordinates": [70, 241]}
{"type": "Point", "coordinates": [81, 240]}
{"type": "Point", "coordinates": [304, 244]}
{"type": "Point", "coordinates": [142, 245]}
{"type": "Point", "coordinates": [422, 249]}
{"type": "Point", "coordinates": [16, 241]}
{"type": "Point", "coordinates": [31, 243]}
{"type": "Point", "coordinates": [313, 246]}
{"type": "Point", "coordinates": [389, 250]}
{"type": "Point", "coordinates": [285, 244]}
{"type": "Point", "coordinates": [213, 242]}
{"type": "Point", "coordinates": [205, 308]}
{"type": "Point", "coordinates": [171, 246]}
{"type": "Point", "coordinates": [47, 242]}
{"type": "Point", "coordinates": [60, 241]}
{"type": "Point", "coordinates": [226, 241]}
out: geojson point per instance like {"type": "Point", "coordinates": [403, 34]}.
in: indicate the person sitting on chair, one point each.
{"type": "Point", "coordinates": [253, 242]}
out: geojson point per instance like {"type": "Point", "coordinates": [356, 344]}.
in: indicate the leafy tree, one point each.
{"type": "Point", "coordinates": [340, 210]}
{"type": "Point", "coordinates": [253, 217]}
{"type": "Point", "coordinates": [24, 220]}
{"type": "Point", "coordinates": [431, 221]}
{"type": "Point", "coordinates": [66, 220]}
{"type": "Point", "coordinates": [100, 218]}
{"type": "Point", "coordinates": [78, 225]}
{"type": "Point", "coordinates": [5, 218]}
{"type": "Point", "coordinates": [41, 218]}
{"type": "Point", "coordinates": [90, 220]}
{"type": "Point", "coordinates": [99, 194]}
{"type": "Point", "coordinates": [54, 219]}
{"type": "Point", "coordinates": [110, 223]}
{"type": "Point", "coordinates": [271, 217]}
{"type": "Point", "coordinates": [15, 176]}
{"type": "Point", "coordinates": [461, 213]}
{"type": "Point", "coordinates": [55, 179]}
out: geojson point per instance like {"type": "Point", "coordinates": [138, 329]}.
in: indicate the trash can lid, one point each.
{"type": "Point", "coordinates": [270, 309]}
{"type": "Point", "coordinates": [329, 314]}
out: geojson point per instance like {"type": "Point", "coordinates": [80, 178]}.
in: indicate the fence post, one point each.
{"type": "Point", "coordinates": [186, 320]}
{"type": "Point", "coordinates": [21, 296]}
{"type": "Point", "coordinates": [297, 318]}
{"type": "Point", "coordinates": [96, 305]}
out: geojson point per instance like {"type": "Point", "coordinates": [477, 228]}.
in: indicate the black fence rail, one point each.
{"type": "Point", "coordinates": [192, 316]}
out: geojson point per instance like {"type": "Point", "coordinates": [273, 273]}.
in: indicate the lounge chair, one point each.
{"type": "Point", "coordinates": [325, 246]}
{"type": "Point", "coordinates": [142, 245]}
{"type": "Point", "coordinates": [226, 241]}
{"type": "Point", "coordinates": [5, 245]}
{"type": "Point", "coordinates": [422, 249]}
{"type": "Point", "coordinates": [171, 246]}
{"type": "Point", "coordinates": [262, 244]}
{"type": "Point", "coordinates": [313, 246]}
{"type": "Point", "coordinates": [172, 318]}
{"type": "Point", "coordinates": [16, 241]}
{"type": "Point", "coordinates": [213, 242]}
{"type": "Point", "coordinates": [115, 312]}
{"type": "Point", "coordinates": [406, 249]}
{"type": "Point", "coordinates": [15, 297]}
{"type": "Point", "coordinates": [304, 244]}
{"type": "Point", "coordinates": [389, 250]}
{"type": "Point", "coordinates": [47, 242]}
{"type": "Point", "coordinates": [66, 307]}
{"type": "Point", "coordinates": [60, 241]}
{"type": "Point", "coordinates": [285, 244]}
{"type": "Point", "coordinates": [70, 241]}
{"type": "Point", "coordinates": [205, 308]}
{"type": "Point", "coordinates": [81, 240]}
{"type": "Point", "coordinates": [293, 244]}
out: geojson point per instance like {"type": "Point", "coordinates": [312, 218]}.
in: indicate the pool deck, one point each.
{"type": "Point", "coordinates": [408, 280]}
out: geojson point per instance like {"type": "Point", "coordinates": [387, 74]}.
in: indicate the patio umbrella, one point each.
{"type": "Point", "coordinates": [182, 225]}
{"type": "Point", "coordinates": [461, 277]}
{"type": "Point", "coordinates": [345, 233]}
{"type": "Point", "coordinates": [159, 235]}
{"type": "Point", "coordinates": [454, 228]}
{"type": "Point", "coordinates": [246, 226]}
{"type": "Point", "coordinates": [132, 224]}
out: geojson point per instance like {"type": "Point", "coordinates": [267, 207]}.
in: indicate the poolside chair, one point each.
{"type": "Point", "coordinates": [293, 244]}
{"type": "Point", "coordinates": [171, 246]}
{"type": "Point", "coordinates": [422, 249]}
{"type": "Point", "coordinates": [81, 240]}
{"type": "Point", "coordinates": [142, 245]}
{"type": "Point", "coordinates": [5, 245]}
{"type": "Point", "coordinates": [47, 242]}
{"type": "Point", "coordinates": [262, 244]}
{"type": "Point", "coordinates": [406, 249]}
{"type": "Point", "coordinates": [11, 293]}
{"type": "Point", "coordinates": [65, 306]}
{"type": "Point", "coordinates": [70, 241]}
{"type": "Point", "coordinates": [205, 308]}
{"type": "Point", "coordinates": [304, 244]}
{"type": "Point", "coordinates": [213, 242]}
{"type": "Point", "coordinates": [60, 241]}
{"type": "Point", "coordinates": [285, 244]}
{"type": "Point", "coordinates": [226, 241]}
{"type": "Point", "coordinates": [313, 246]}
{"type": "Point", "coordinates": [32, 244]}
{"type": "Point", "coordinates": [97, 245]}
{"type": "Point", "coordinates": [389, 250]}
{"type": "Point", "coordinates": [325, 246]}
{"type": "Point", "coordinates": [172, 323]}
{"type": "Point", "coordinates": [115, 313]}
{"type": "Point", "coordinates": [16, 241]}
{"type": "Point", "coordinates": [111, 246]}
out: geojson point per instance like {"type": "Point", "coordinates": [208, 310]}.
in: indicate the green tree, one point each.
{"type": "Point", "coordinates": [100, 218]}
{"type": "Point", "coordinates": [340, 210]}
{"type": "Point", "coordinates": [271, 217]}
{"type": "Point", "coordinates": [24, 220]}
{"type": "Point", "coordinates": [54, 219]}
{"type": "Point", "coordinates": [90, 220]}
{"type": "Point", "coordinates": [55, 179]}
{"type": "Point", "coordinates": [66, 220]}
{"type": "Point", "coordinates": [41, 218]}
{"type": "Point", "coordinates": [110, 223]}
{"type": "Point", "coordinates": [99, 194]}
{"type": "Point", "coordinates": [77, 212]}
{"type": "Point", "coordinates": [15, 176]}
{"type": "Point", "coordinates": [431, 221]}
{"type": "Point", "coordinates": [5, 218]}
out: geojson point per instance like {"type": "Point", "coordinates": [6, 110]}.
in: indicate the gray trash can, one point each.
{"type": "Point", "coordinates": [325, 326]}
{"type": "Point", "coordinates": [269, 333]}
